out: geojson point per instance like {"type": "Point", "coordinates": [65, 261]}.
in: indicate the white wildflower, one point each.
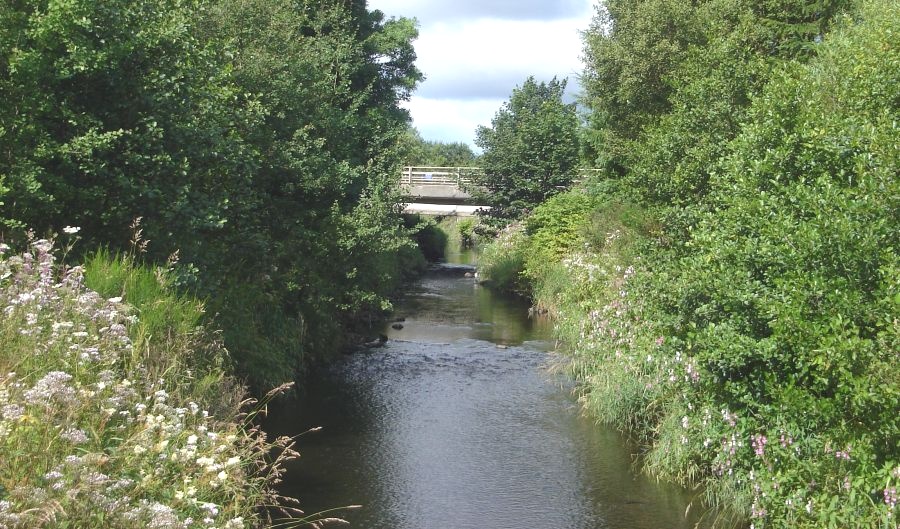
{"type": "Point", "coordinates": [235, 523]}
{"type": "Point", "coordinates": [75, 436]}
{"type": "Point", "coordinates": [52, 386]}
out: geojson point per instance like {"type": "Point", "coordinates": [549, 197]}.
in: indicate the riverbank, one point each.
{"type": "Point", "coordinates": [747, 337]}
{"type": "Point", "coordinates": [753, 444]}
{"type": "Point", "coordinates": [117, 405]}
{"type": "Point", "coordinates": [456, 422]}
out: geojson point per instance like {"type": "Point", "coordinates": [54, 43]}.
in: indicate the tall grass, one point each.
{"type": "Point", "coordinates": [116, 406]}
{"type": "Point", "coordinates": [611, 297]}
{"type": "Point", "coordinates": [502, 262]}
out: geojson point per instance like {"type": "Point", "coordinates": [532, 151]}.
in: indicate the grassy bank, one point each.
{"type": "Point", "coordinates": [755, 444]}
{"type": "Point", "coordinates": [117, 408]}
{"type": "Point", "coordinates": [748, 340]}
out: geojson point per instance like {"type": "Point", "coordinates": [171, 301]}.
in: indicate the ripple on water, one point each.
{"type": "Point", "coordinates": [444, 430]}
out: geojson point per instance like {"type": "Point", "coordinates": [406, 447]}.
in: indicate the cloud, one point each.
{"type": "Point", "coordinates": [475, 52]}
{"type": "Point", "coordinates": [452, 10]}
{"type": "Point", "coordinates": [451, 120]}
{"type": "Point", "coordinates": [488, 58]}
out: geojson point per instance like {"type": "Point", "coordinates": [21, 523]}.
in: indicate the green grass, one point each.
{"type": "Point", "coordinates": [117, 409]}
{"type": "Point", "coordinates": [761, 458]}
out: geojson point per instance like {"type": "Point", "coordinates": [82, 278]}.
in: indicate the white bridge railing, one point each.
{"type": "Point", "coordinates": [438, 176]}
{"type": "Point", "coordinates": [457, 176]}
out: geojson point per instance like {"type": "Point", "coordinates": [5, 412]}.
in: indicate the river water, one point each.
{"type": "Point", "coordinates": [456, 423]}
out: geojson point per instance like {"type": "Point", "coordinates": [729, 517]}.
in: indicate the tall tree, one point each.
{"type": "Point", "coordinates": [114, 110]}
{"type": "Point", "coordinates": [417, 151]}
{"type": "Point", "coordinates": [258, 138]}
{"type": "Point", "coordinates": [531, 149]}
{"type": "Point", "coordinates": [649, 59]}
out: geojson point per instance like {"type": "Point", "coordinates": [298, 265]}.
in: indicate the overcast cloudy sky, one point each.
{"type": "Point", "coordinates": [474, 52]}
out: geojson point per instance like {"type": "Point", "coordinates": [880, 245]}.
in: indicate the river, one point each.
{"type": "Point", "coordinates": [456, 423]}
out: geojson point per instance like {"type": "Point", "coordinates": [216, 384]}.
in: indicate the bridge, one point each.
{"type": "Point", "coordinates": [444, 190]}
{"type": "Point", "coordinates": [440, 190]}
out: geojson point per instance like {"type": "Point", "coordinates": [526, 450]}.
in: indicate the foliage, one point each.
{"type": "Point", "coordinates": [531, 149]}
{"type": "Point", "coordinates": [553, 229]}
{"type": "Point", "coordinates": [429, 236]}
{"type": "Point", "coordinates": [786, 299]}
{"type": "Point", "coordinates": [256, 139]}
{"type": "Point", "coordinates": [118, 411]}
{"type": "Point", "coordinates": [668, 82]}
{"type": "Point", "coordinates": [465, 227]}
{"type": "Point", "coordinates": [731, 301]}
{"type": "Point", "coordinates": [501, 262]}
{"type": "Point", "coordinates": [416, 151]}
{"type": "Point", "coordinates": [630, 49]}
{"type": "Point", "coordinates": [748, 342]}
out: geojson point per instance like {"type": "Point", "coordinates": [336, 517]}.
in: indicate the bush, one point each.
{"type": "Point", "coordinates": [116, 409]}
{"type": "Point", "coordinates": [750, 348]}
{"type": "Point", "coordinates": [756, 358]}
{"type": "Point", "coordinates": [429, 236]}
{"type": "Point", "coordinates": [466, 229]}
{"type": "Point", "coordinates": [553, 229]}
{"type": "Point", "coordinates": [502, 261]}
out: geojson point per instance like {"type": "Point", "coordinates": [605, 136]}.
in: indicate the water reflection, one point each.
{"type": "Point", "coordinates": [445, 308]}
{"type": "Point", "coordinates": [443, 429]}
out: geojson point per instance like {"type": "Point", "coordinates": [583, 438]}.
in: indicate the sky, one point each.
{"type": "Point", "coordinates": [475, 52]}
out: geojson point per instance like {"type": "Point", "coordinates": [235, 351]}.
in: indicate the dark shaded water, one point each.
{"type": "Point", "coordinates": [443, 429]}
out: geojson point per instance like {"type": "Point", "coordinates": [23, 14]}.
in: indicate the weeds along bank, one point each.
{"type": "Point", "coordinates": [749, 342]}
{"type": "Point", "coordinates": [116, 406]}
{"type": "Point", "coordinates": [258, 140]}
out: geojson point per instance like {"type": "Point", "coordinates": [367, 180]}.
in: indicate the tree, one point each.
{"type": "Point", "coordinates": [258, 138]}
{"type": "Point", "coordinates": [114, 110]}
{"type": "Point", "coordinates": [647, 60]}
{"type": "Point", "coordinates": [415, 150]}
{"type": "Point", "coordinates": [531, 149]}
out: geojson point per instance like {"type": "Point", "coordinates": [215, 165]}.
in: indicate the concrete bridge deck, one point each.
{"type": "Point", "coordinates": [439, 190]}
{"type": "Point", "coordinates": [445, 190]}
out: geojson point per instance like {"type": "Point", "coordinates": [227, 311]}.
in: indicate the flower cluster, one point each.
{"type": "Point", "coordinates": [98, 430]}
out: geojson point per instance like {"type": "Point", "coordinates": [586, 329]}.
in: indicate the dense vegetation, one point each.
{"type": "Point", "coordinates": [116, 408]}
{"type": "Point", "coordinates": [530, 150]}
{"type": "Point", "coordinates": [245, 151]}
{"type": "Point", "coordinates": [727, 285]}
{"type": "Point", "coordinates": [255, 140]}
{"type": "Point", "coordinates": [728, 288]}
{"type": "Point", "coordinates": [416, 151]}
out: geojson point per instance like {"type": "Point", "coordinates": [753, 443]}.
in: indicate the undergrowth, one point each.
{"type": "Point", "coordinates": [116, 406]}
{"type": "Point", "coordinates": [748, 339]}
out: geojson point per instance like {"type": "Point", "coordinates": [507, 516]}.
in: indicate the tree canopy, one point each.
{"type": "Point", "coordinates": [258, 139]}
{"type": "Point", "coordinates": [531, 149]}
{"type": "Point", "coordinates": [417, 151]}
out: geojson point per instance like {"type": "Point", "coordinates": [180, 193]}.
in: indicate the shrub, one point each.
{"type": "Point", "coordinates": [502, 262]}
{"type": "Point", "coordinates": [756, 358]}
{"type": "Point", "coordinates": [466, 229]}
{"type": "Point", "coordinates": [750, 349]}
{"type": "Point", "coordinates": [116, 410]}
{"type": "Point", "coordinates": [553, 229]}
{"type": "Point", "coordinates": [429, 236]}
